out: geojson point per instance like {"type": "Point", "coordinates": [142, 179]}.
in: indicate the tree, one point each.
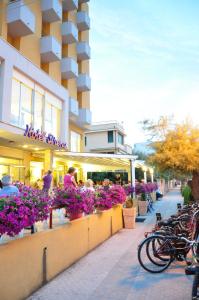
{"type": "Point", "coordinates": [178, 151]}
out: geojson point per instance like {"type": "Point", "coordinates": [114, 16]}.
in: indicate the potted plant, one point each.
{"type": "Point", "coordinates": [129, 214]}
{"type": "Point", "coordinates": [102, 201]}
{"type": "Point", "coordinates": [142, 204]}
{"type": "Point", "coordinates": [141, 190]}
{"type": "Point", "coordinates": [74, 201]}
{"type": "Point", "coordinates": [129, 209]}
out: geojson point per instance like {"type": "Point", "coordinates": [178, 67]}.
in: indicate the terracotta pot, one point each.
{"type": "Point", "coordinates": [142, 207]}
{"type": "Point", "coordinates": [75, 215]}
{"type": "Point", "coordinates": [129, 215]}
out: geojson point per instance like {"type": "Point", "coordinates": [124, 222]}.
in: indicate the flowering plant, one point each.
{"type": "Point", "coordinates": [23, 210]}
{"type": "Point", "coordinates": [117, 194]}
{"type": "Point", "coordinates": [74, 200]}
{"type": "Point", "coordinates": [113, 196]}
{"type": "Point", "coordinates": [128, 189]}
{"type": "Point", "coordinates": [102, 199]}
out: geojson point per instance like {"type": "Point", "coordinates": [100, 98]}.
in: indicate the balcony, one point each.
{"type": "Point", "coordinates": [85, 117]}
{"type": "Point", "coordinates": [83, 51]}
{"type": "Point", "coordinates": [51, 11]}
{"type": "Point", "coordinates": [83, 83]}
{"type": "Point", "coordinates": [69, 68]}
{"type": "Point", "coordinates": [83, 1]}
{"type": "Point", "coordinates": [69, 5]}
{"type": "Point", "coordinates": [20, 19]}
{"type": "Point", "coordinates": [50, 49]}
{"type": "Point", "coordinates": [83, 21]}
{"type": "Point", "coordinates": [69, 33]}
{"type": "Point", "coordinates": [73, 109]}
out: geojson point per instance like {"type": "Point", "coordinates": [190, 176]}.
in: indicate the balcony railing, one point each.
{"type": "Point", "coordinates": [69, 5]}
{"type": "Point", "coordinates": [73, 109]}
{"type": "Point", "coordinates": [83, 21]}
{"type": "Point", "coordinates": [50, 49]}
{"type": "Point", "coordinates": [83, 1]}
{"type": "Point", "coordinates": [51, 10]}
{"type": "Point", "coordinates": [83, 83]}
{"type": "Point", "coordinates": [69, 68]}
{"type": "Point", "coordinates": [69, 33]}
{"type": "Point", "coordinates": [20, 19]}
{"type": "Point", "coordinates": [83, 51]}
{"type": "Point", "coordinates": [85, 117]}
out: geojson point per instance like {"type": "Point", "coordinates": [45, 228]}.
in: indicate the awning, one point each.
{"type": "Point", "coordinates": [116, 160]}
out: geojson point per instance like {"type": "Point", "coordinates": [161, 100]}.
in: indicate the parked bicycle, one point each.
{"type": "Point", "coordinates": [172, 240]}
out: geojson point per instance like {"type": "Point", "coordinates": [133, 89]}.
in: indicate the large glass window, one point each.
{"type": "Point", "coordinates": [120, 139]}
{"type": "Point", "coordinates": [26, 105]}
{"type": "Point", "coordinates": [51, 119]}
{"type": "Point", "coordinates": [110, 136]}
{"type": "Point", "coordinates": [21, 104]}
{"type": "Point", "coordinates": [15, 103]}
{"type": "Point", "coordinates": [38, 111]}
{"type": "Point", "coordinates": [75, 142]}
{"type": "Point", "coordinates": [31, 105]}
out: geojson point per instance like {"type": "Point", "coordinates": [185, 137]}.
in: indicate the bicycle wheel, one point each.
{"type": "Point", "coordinates": [157, 259]}
{"type": "Point", "coordinates": [150, 256]}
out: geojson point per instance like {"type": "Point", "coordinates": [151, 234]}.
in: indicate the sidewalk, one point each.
{"type": "Point", "coordinates": [112, 271]}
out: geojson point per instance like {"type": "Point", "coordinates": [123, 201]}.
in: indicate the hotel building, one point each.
{"type": "Point", "coordinates": [44, 84]}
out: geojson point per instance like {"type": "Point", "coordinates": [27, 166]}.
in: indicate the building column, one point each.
{"type": "Point", "coordinates": [26, 163]}
{"type": "Point", "coordinates": [152, 175]}
{"type": "Point", "coordinates": [64, 129]}
{"type": "Point", "coordinates": [132, 171]}
{"type": "Point", "coordinates": [6, 69]}
{"type": "Point", "coordinates": [48, 160]}
{"type": "Point", "coordinates": [145, 176]}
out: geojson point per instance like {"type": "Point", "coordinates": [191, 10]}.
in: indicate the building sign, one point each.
{"type": "Point", "coordinates": [43, 137]}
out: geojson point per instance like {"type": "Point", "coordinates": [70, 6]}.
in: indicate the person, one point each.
{"type": "Point", "coordinates": [158, 193]}
{"type": "Point", "coordinates": [69, 178]}
{"type": "Point", "coordinates": [106, 184]}
{"type": "Point", "coordinates": [8, 189]}
{"type": "Point", "coordinates": [88, 186]}
{"type": "Point", "coordinates": [47, 179]}
{"type": "Point", "coordinates": [81, 184]}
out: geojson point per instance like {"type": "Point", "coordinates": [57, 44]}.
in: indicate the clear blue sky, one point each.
{"type": "Point", "coordinates": [145, 61]}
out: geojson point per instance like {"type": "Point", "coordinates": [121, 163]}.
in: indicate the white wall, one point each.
{"type": "Point", "coordinates": [98, 140]}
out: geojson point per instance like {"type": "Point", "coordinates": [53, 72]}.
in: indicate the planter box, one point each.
{"type": "Point", "coordinates": [117, 222]}
{"type": "Point", "coordinates": [142, 207]}
{"type": "Point", "coordinates": [129, 215]}
{"type": "Point", "coordinates": [29, 262]}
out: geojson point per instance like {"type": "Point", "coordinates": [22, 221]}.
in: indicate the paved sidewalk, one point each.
{"type": "Point", "coordinates": [112, 272]}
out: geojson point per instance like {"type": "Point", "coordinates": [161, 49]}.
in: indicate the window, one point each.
{"type": "Point", "coordinates": [38, 111]}
{"type": "Point", "coordinates": [75, 142]}
{"type": "Point", "coordinates": [110, 136]}
{"type": "Point", "coordinates": [21, 104]}
{"type": "Point", "coordinates": [85, 140]}
{"type": "Point", "coordinates": [51, 119]}
{"type": "Point", "coordinates": [120, 139]}
{"type": "Point", "coordinates": [15, 102]}
{"type": "Point", "coordinates": [26, 106]}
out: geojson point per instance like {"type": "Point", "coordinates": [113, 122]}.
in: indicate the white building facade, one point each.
{"type": "Point", "coordinates": [107, 137]}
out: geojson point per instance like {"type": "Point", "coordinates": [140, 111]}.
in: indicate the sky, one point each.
{"type": "Point", "coordinates": [144, 61]}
